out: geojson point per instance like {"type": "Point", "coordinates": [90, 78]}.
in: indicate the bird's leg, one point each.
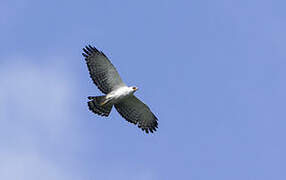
{"type": "Point", "coordinates": [104, 102]}
{"type": "Point", "coordinates": [101, 100]}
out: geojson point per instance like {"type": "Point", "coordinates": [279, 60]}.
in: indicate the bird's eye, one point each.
{"type": "Point", "coordinates": [134, 88]}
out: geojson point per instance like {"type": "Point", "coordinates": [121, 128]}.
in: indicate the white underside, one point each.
{"type": "Point", "coordinates": [119, 94]}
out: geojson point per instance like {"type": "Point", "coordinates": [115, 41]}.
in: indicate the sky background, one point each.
{"type": "Point", "coordinates": [213, 72]}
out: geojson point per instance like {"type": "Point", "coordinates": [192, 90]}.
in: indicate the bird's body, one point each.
{"type": "Point", "coordinates": [120, 94]}
{"type": "Point", "coordinates": [117, 93]}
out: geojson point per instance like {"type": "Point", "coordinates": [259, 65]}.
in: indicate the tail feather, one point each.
{"type": "Point", "coordinates": [95, 105]}
{"type": "Point", "coordinates": [98, 99]}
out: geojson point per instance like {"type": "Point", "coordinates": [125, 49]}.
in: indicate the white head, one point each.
{"type": "Point", "coordinates": [133, 88]}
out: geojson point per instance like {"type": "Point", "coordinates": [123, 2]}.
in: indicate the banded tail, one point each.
{"type": "Point", "coordinates": [99, 105]}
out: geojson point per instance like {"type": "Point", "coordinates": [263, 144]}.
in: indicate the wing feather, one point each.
{"type": "Point", "coordinates": [136, 112]}
{"type": "Point", "coordinates": [101, 70]}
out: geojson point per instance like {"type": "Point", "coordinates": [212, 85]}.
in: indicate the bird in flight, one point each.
{"type": "Point", "coordinates": [117, 93]}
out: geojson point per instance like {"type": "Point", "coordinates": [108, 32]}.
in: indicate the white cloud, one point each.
{"type": "Point", "coordinates": [38, 126]}
{"type": "Point", "coordinates": [19, 166]}
{"type": "Point", "coordinates": [35, 112]}
{"type": "Point", "coordinates": [36, 94]}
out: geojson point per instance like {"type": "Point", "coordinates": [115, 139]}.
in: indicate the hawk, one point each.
{"type": "Point", "coordinates": [117, 93]}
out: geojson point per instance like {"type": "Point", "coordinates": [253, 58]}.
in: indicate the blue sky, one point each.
{"type": "Point", "coordinates": [213, 72]}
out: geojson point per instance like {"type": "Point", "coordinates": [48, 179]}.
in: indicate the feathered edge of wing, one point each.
{"type": "Point", "coordinates": [89, 52]}
{"type": "Point", "coordinates": [136, 112]}
{"type": "Point", "coordinates": [102, 77]}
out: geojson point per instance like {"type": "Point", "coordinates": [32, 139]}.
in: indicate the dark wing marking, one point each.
{"type": "Point", "coordinates": [135, 111]}
{"type": "Point", "coordinates": [101, 70]}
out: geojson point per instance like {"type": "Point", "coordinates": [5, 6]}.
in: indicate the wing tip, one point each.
{"type": "Point", "coordinates": [151, 128]}
{"type": "Point", "coordinates": [89, 50]}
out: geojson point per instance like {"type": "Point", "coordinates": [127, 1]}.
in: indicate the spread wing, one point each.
{"type": "Point", "coordinates": [135, 111]}
{"type": "Point", "coordinates": [101, 71]}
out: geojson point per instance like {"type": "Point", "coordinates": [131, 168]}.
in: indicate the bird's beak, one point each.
{"type": "Point", "coordinates": [136, 88]}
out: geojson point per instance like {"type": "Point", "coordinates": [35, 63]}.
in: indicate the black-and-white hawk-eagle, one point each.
{"type": "Point", "coordinates": [117, 93]}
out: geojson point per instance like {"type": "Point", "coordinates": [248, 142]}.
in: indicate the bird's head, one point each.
{"type": "Point", "coordinates": [134, 88]}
